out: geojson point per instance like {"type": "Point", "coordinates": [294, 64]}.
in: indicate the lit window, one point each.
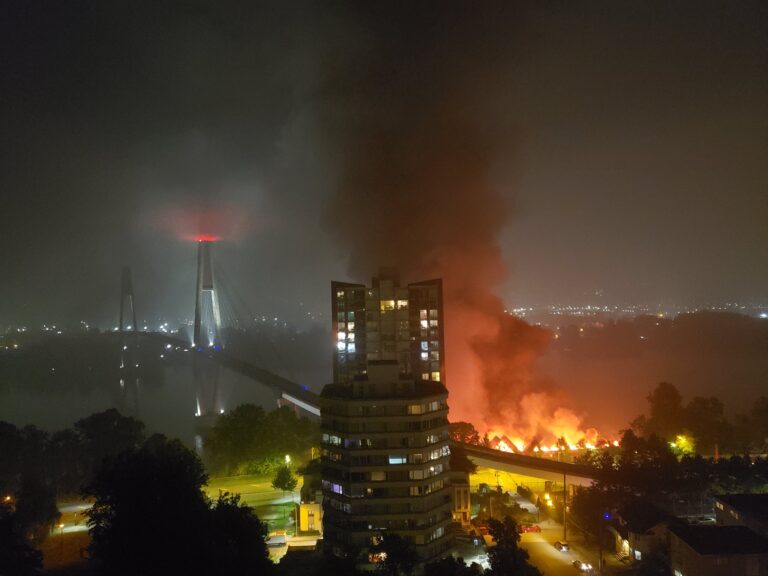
{"type": "Point", "coordinates": [433, 313]}
{"type": "Point", "coordinates": [387, 305]}
{"type": "Point", "coordinates": [397, 460]}
{"type": "Point", "coordinates": [351, 349]}
{"type": "Point", "coordinates": [402, 304]}
{"type": "Point", "coordinates": [378, 476]}
{"type": "Point", "coordinates": [422, 314]}
{"type": "Point", "coordinates": [424, 323]}
{"type": "Point", "coordinates": [433, 323]}
{"type": "Point", "coordinates": [435, 375]}
{"type": "Point", "coordinates": [424, 345]}
{"type": "Point", "coordinates": [425, 376]}
{"type": "Point", "coordinates": [351, 337]}
{"type": "Point", "coordinates": [341, 346]}
{"type": "Point", "coordinates": [433, 356]}
{"type": "Point", "coordinates": [350, 326]}
{"type": "Point", "coordinates": [339, 293]}
{"type": "Point", "coordinates": [350, 315]}
{"type": "Point", "coordinates": [342, 335]}
{"type": "Point", "coordinates": [425, 356]}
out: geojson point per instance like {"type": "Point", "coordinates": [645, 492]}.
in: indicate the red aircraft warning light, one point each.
{"type": "Point", "coordinates": [207, 238]}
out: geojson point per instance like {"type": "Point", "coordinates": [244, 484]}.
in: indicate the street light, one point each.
{"type": "Point", "coordinates": [287, 459]}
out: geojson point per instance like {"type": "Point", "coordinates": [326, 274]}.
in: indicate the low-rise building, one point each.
{"type": "Point", "coordinates": [310, 517]}
{"type": "Point", "coordinates": [716, 551]}
{"type": "Point", "coordinates": [750, 510]}
{"type": "Point", "coordinates": [640, 531]}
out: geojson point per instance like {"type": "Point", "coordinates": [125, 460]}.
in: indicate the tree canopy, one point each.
{"type": "Point", "coordinates": [507, 558]}
{"type": "Point", "coordinates": [285, 479]}
{"type": "Point", "coordinates": [151, 517]}
{"type": "Point", "coordinates": [249, 440]}
{"type": "Point", "coordinates": [399, 554]}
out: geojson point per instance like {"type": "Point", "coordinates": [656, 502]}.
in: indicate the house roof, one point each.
{"type": "Point", "coordinates": [721, 540]}
{"type": "Point", "coordinates": [640, 516]}
{"type": "Point", "coordinates": [754, 505]}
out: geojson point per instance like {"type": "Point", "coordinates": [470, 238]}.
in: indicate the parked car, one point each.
{"type": "Point", "coordinates": [530, 528]}
{"type": "Point", "coordinates": [582, 566]}
{"type": "Point", "coordinates": [562, 546]}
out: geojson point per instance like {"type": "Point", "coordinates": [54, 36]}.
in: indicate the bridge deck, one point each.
{"type": "Point", "coordinates": [529, 465]}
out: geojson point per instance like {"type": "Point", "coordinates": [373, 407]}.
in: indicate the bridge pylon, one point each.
{"type": "Point", "coordinates": [130, 380]}
{"type": "Point", "coordinates": [206, 334]}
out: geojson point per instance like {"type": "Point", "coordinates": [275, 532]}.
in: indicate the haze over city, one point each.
{"type": "Point", "coordinates": [588, 181]}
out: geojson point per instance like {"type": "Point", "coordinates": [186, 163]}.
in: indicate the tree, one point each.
{"type": "Point", "coordinates": [249, 440]}
{"type": "Point", "coordinates": [507, 558]}
{"type": "Point", "coordinates": [399, 555]}
{"type": "Point", "coordinates": [150, 517]}
{"type": "Point", "coordinates": [464, 432]}
{"type": "Point", "coordinates": [284, 479]}
{"type": "Point", "coordinates": [667, 414]}
{"type": "Point", "coordinates": [17, 557]}
{"type": "Point", "coordinates": [149, 513]}
{"type": "Point", "coordinates": [239, 538]}
{"type": "Point", "coordinates": [105, 434]}
{"type": "Point", "coordinates": [705, 419]}
{"type": "Point", "coordinates": [36, 510]}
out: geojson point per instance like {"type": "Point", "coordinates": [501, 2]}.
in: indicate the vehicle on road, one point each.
{"type": "Point", "coordinates": [277, 540]}
{"type": "Point", "coordinates": [582, 566]}
{"type": "Point", "coordinates": [562, 546]}
{"type": "Point", "coordinates": [529, 528]}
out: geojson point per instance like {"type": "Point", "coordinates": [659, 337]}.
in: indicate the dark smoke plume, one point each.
{"type": "Point", "coordinates": [408, 108]}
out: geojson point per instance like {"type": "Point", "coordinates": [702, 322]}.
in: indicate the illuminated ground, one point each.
{"type": "Point", "coordinates": [70, 536]}
{"type": "Point", "coordinates": [508, 481]}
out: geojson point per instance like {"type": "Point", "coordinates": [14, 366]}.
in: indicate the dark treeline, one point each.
{"type": "Point", "coordinates": [660, 462]}
{"type": "Point", "coordinates": [248, 440]}
{"type": "Point", "coordinates": [649, 469]}
{"type": "Point", "coordinates": [700, 426]}
{"type": "Point", "coordinates": [149, 508]}
{"type": "Point", "coordinates": [38, 468]}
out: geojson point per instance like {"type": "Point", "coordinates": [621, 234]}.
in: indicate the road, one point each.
{"type": "Point", "coordinates": [544, 555]}
{"type": "Point", "coordinates": [270, 505]}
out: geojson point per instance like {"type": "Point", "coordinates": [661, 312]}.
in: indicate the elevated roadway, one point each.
{"type": "Point", "coordinates": [543, 468]}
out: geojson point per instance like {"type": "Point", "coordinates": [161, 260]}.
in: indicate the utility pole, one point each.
{"type": "Point", "coordinates": [565, 506]}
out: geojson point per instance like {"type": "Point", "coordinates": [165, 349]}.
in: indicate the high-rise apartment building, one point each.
{"type": "Point", "coordinates": [388, 322]}
{"type": "Point", "coordinates": [385, 439]}
{"type": "Point", "coordinates": [385, 454]}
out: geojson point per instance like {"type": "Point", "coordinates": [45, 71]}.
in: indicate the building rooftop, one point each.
{"type": "Point", "coordinates": [721, 540]}
{"type": "Point", "coordinates": [639, 516]}
{"type": "Point", "coordinates": [754, 505]}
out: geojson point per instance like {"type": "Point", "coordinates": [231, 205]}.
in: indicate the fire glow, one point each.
{"type": "Point", "coordinates": [502, 442]}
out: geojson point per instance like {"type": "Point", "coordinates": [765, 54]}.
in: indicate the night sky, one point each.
{"type": "Point", "coordinates": [626, 143]}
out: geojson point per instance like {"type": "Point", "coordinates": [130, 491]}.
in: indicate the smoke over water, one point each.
{"type": "Point", "coordinates": [415, 124]}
